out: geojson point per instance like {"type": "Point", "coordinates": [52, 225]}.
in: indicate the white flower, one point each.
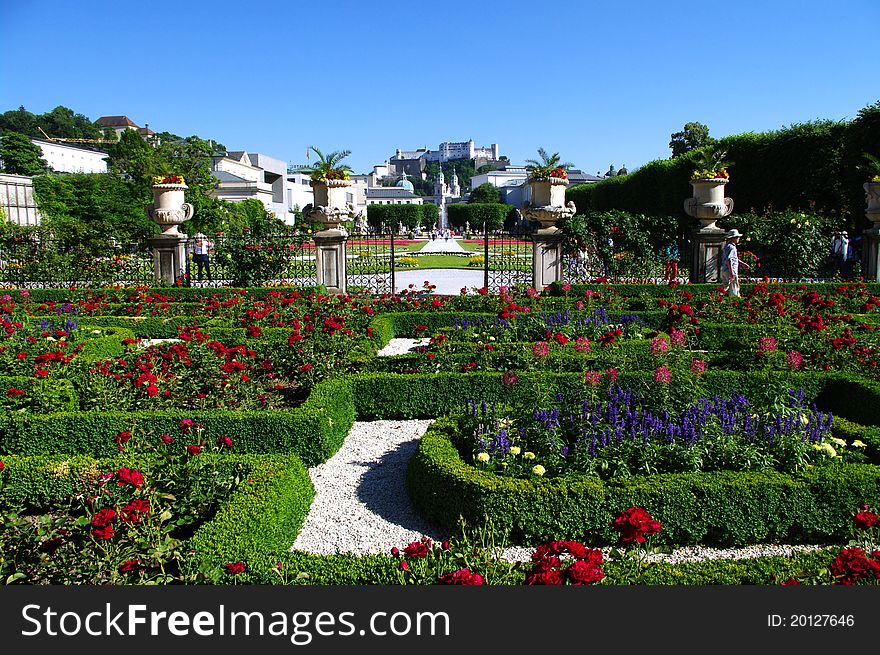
{"type": "Point", "coordinates": [839, 442]}
{"type": "Point", "coordinates": [529, 455]}
{"type": "Point", "coordinates": [515, 450]}
{"type": "Point", "coordinates": [858, 443]}
{"type": "Point", "coordinates": [828, 449]}
{"type": "Point", "coordinates": [483, 457]}
{"type": "Point", "coordinates": [539, 470]}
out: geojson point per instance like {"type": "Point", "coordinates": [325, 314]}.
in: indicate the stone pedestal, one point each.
{"type": "Point", "coordinates": [547, 260]}
{"type": "Point", "coordinates": [871, 255]}
{"type": "Point", "coordinates": [169, 257]}
{"type": "Point", "coordinates": [330, 257]}
{"type": "Point", "coordinates": [708, 244]}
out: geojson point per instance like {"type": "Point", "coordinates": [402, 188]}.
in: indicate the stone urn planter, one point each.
{"type": "Point", "coordinates": [872, 191]}
{"type": "Point", "coordinates": [548, 204]}
{"type": "Point", "coordinates": [169, 209]}
{"type": "Point", "coordinates": [708, 203]}
{"type": "Point", "coordinates": [330, 206]}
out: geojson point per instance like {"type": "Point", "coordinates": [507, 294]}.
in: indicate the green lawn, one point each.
{"type": "Point", "coordinates": [441, 261]}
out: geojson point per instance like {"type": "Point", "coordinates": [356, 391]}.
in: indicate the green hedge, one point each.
{"type": "Point", "coordinates": [798, 167]}
{"type": "Point", "coordinates": [727, 508]}
{"type": "Point", "coordinates": [315, 430]}
{"type": "Point", "coordinates": [62, 390]}
{"type": "Point", "coordinates": [410, 216]}
{"type": "Point", "coordinates": [261, 519]}
{"type": "Point", "coordinates": [479, 215]}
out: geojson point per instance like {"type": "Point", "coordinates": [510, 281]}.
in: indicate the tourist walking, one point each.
{"type": "Point", "coordinates": [201, 247]}
{"type": "Point", "coordinates": [730, 264]}
{"type": "Point", "coordinates": [839, 249]}
{"type": "Point", "coordinates": [672, 257]}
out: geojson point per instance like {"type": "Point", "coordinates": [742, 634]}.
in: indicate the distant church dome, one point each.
{"type": "Point", "coordinates": [406, 184]}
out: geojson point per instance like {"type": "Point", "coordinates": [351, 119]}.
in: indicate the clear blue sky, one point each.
{"type": "Point", "coordinates": [599, 82]}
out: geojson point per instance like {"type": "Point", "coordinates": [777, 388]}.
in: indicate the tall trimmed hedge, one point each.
{"type": "Point", "coordinates": [478, 214]}
{"type": "Point", "coordinates": [410, 216]}
{"type": "Point", "coordinates": [793, 167]}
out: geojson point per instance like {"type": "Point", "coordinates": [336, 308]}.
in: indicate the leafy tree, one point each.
{"type": "Point", "coordinates": [83, 211]}
{"type": "Point", "coordinates": [65, 123]}
{"type": "Point", "coordinates": [485, 193]}
{"type": "Point", "coordinates": [251, 214]}
{"type": "Point", "coordinates": [19, 120]}
{"type": "Point", "coordinates": [20, 156]}
{"type": "Point", "coordinates": [693, 136]}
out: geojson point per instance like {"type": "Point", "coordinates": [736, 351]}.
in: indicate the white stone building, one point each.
{"type": "Point", "coordinates": [242, 175]}
{"type": "Point", "coordinates": [64, 158]}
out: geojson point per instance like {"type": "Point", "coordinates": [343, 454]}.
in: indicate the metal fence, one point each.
{"type": "Point", "coordinates": [282, 259]}
{"type": "Point", "coordinates": [507, 258]}
{"type": "Point", "coordinates": [371, 261]}
{"type": "Point", "coordinates": [37, 262]}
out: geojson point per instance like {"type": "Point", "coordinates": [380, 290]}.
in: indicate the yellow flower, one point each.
{"type": "Point", "coordinates": [539, 470]}
{"type": "Point", "coordinates": [858, 443]}
{"type": "Point", "coordinates": [839, 442]}
{"type": "Point", "coordinates": [529, 455]}
{"type": "Point", "coordinates": [828, 449]}
{"type": "Point", "coordinates": [793, 221]}
{"type": "Point", "coordinates": [799, 226]}
{"type": "Point", "coordinates": [817, 446]}
{"type": "Point", "coordinates": [483, 457]}
{"type": "Point", "coordinates": [515, 450]}
{"type": "Point", "coordinates": [805, 420]}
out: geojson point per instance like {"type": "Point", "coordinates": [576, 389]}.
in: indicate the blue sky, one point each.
{"type": "Point", "coordinates": [600, 82]}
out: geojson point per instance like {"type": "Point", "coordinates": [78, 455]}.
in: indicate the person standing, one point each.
{"type": "Point", "coordinates": [730, 264]}
{"type": "Point", "coordinates": [672, 257]}
{"type": "Point", "coordinates": [201, 247]}
{"type": "Point", "coordinates": [839, 248]}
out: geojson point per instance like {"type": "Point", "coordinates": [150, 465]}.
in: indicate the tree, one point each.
{"type": "Point", "coordinates": [692, 137]}
{"type": "Point", "coordinates": [20, 156]}
{"type": "Point", "coordinates": [63, 122]}
{"type": "Point", "coordinates": [485, 193]}
{"type": "Point", "coordinates": [19, 120]}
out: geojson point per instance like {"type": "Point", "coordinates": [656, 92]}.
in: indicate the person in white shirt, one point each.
{"type": "Point", "coordinates": [201, 247]}
{"type": "Point", "coordinates": [730, 264]}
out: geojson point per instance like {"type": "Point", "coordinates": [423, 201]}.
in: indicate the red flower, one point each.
{"type": "Point", "coordinates": [167, 439]}
{"type": "Point", "coordinates": [234, 568]}
{"type": "Point", "coordinates": [852, 565]}
{"type": "Point", "coordinates": [152, 390]}
{"type": "Point", "coordinates": [635, 525]}
{"type": "Point", "coordinates": [15, 392]}
{"type": "Point", "coordinates": [2, 465]}
{"type": "Point", "coordinates": [41, 373]}
{"type": "Point", "coordinates": [102, 524]}
{"type": "Point", "coordinates": [560, 338]}
{"type": "Point", "coordinates": [418, 549]}
{"type": "Point", "coordinates": [583, 572]}
{"type": "Point", "coordinates": [129, 565]}
{"type": "Point", "coordinates": [865, 520]}
{"type": "Point", "coordinates": [195, 449]}
{"type": "Point", "coordinates": [461, 577]}
{"type": "Point", "coordinates": [129, 476]}
{"type": "Point", "coordinates": [134, 511]}
{"type": "Point", "coordinates": [791, 582]}
{"type": "Point", "coordinates": [404, 566]}
{"type": "Point", "coordinates": [224, 441]}
{"type": "Point", "coordinates": [186, 425]}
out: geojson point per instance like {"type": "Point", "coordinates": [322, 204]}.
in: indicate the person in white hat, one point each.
{"type": "Point", "coordinates": [730, 263]}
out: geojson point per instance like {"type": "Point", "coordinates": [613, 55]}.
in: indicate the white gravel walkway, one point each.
{"type": "Point", "coordinates": [362, 505]}
{"type": "Point", "coordinates": [402, 346]}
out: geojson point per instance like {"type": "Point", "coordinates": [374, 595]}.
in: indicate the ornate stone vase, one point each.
{"type": "Point", "coordinates": [330, 206]}
{"type": "Point", "coordinates": [872, 191]}
{"type": "Point", "coordinates": [169, 209]}
{"type": "Point", "coordinates": [548, 204]}
{"type": "Point", "coordinates": [708, 203]}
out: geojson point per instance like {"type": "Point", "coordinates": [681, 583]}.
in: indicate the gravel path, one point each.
{"type": "Point", "coordinates": [402, 346]}
{"type": "Point", "coordinates": [362, 504]}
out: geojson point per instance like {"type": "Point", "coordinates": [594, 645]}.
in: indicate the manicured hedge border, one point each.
{"type": "Point", "coordinates": [258, 523]}
{"type": "Point", "coordinates": [725, 508]}
{"type": "Point", "coordinates": [61, 388]}
{"type": "Point", "coordinates": [315, 430]}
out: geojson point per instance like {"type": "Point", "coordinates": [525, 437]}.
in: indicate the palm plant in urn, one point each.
{"type": "Point", "coordinates": [708, 181]}
{"type": "Point", "coordinates": [329, 178]}
{"type": "Point", "coordinates": [548, 177]}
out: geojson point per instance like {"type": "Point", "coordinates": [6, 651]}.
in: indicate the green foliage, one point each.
{"type": "Point", "coordinates": [547, 165]}
{"type": "Point", "coordinates": [19, 156]}
{"type": "Point", "coordinates": [722, 508]}
{"type": "Point", "coordinates": [811, 166]}
{"type": "Point", "coordinates": [639, 241]}
{"type": "Point", "coordinates": [84, 210]}
{"type": "Point", "coordinates": [61, 122]}
{"type": "Point", "coordinates": [410, 216]}
{"type": "Point", "coordinates": [693, 137]}
{"type": "Point", "coordinates": [480, 216]}
{"type": "Point", "coordinates": [485, 193]}
{"type": "Point", "coordinates": [328, 167]}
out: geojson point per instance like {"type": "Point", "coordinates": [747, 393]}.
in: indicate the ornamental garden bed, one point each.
{"type": "Point", "coordinates": [284, 374]}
